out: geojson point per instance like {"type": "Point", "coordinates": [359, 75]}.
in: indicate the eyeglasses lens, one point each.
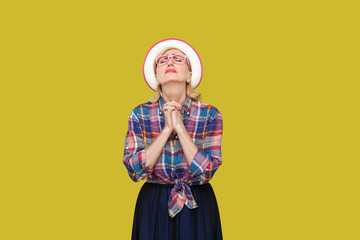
{"type": "Point", "coordinates": [176, 58]}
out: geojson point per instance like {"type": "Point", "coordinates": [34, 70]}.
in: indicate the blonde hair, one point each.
{"type": "Point", "coordinates": [189, 90]}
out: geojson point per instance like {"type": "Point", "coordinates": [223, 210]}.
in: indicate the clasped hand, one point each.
{"type": "Point", "coordinates": [173, 115]}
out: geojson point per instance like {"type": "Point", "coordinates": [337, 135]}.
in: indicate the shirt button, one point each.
{"type": "Point", "coordinates": [176, 136]}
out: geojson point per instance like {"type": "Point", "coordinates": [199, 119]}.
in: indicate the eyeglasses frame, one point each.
{"type": "Point", "coordinates": [171, 56]}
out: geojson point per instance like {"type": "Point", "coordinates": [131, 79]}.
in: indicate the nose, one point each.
{"type": "Point", "coordinates": [170, 59]}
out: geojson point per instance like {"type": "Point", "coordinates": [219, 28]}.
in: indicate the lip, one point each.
{"type": "Point", "coordinates": [170, 70]}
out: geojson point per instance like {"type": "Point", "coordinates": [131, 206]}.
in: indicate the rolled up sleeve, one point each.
{"type": "Point", "coordinates": [134, 153]}
{"type": "Point", "coordinates": [208, 160]}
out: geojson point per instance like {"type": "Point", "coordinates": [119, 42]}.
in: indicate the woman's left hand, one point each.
{"type": "Point", "coordinates": [177, 119]}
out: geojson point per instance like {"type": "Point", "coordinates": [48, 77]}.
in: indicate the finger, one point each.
{"type": "Point", "coordinates": [168, 104]}
{"type": "Point", "coordinates": [168, 108]}
{"type": "Point", "coordinates": [175, 112]}
{"type": "Point", "coordinates": [174, 104]}
{"type": "Point", "coordinates": [171, 104]}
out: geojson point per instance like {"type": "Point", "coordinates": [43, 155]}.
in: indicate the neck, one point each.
{"type": "Point", "coordinates": [174, 91]}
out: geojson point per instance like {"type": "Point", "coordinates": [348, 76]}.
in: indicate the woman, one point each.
{"type": "Point", "coordinates": [174, 141]}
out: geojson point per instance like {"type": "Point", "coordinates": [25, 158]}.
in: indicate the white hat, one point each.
{"type": "Point", "coordinates": [195, 62]}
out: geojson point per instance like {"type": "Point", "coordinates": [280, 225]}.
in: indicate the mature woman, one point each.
{"type": "Point", "coordinates": [174, 141]}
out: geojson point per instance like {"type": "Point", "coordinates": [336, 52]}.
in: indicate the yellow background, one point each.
{"type": "Point", "coordinates": [284, 75]}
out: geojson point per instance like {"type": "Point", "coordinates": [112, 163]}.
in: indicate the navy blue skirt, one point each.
{"type": "Point", "coordinates": [153, 222]}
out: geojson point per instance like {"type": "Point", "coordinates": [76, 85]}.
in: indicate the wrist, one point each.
{"type": "Point", "coordinates": [180, 128]}
{"type": "Point", "coordinates": [167, 130]}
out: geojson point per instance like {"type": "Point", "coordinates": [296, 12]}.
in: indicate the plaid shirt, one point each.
{"type": "Point", "coordinates": [205, 126]}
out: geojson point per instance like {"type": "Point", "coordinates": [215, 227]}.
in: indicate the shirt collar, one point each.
{"type": "Point", "coordinates": [185, 107]}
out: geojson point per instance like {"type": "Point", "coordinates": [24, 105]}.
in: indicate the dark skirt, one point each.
{"type": "Point", "coordinates": [153, 222]}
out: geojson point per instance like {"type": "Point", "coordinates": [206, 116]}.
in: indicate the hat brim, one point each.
{"type": "Point", "coordinates": [195, 61]}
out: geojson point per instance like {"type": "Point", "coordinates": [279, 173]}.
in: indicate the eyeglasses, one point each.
{"type": "Point", "coordinates": [163, 59]}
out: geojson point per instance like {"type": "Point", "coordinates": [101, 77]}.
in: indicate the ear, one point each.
{"type": "Point", "coordinates": [156, 77]}
{"type": "Point", "coordinates": [189, 78]}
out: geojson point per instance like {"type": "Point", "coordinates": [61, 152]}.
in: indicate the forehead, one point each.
{"type": "Point", "coordinates": [172, 52]}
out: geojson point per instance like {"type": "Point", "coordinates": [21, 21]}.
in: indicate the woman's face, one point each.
{"type": "Point", "coordinates": [181, 72]}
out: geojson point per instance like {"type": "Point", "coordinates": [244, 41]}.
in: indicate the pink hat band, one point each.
{"type": "Point", "coordinates": [194, 59]}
